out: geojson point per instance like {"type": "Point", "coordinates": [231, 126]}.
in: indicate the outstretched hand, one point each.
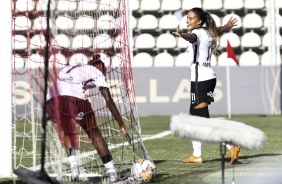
{"type": "Point", "coordinates": [124, 134]}
{"type": "Point", "coordinates": [232, 22]}
{"type": "Point", "coordinates": [178, 31]}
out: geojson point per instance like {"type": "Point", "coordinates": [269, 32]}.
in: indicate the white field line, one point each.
{"type": "Point", "coordinates": [64, 160]}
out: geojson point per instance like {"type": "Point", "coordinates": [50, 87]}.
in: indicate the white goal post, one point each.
{"type": "Point", "coordinates": [6, 89]}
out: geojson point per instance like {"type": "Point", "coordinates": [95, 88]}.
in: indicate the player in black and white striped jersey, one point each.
{"type": "Point", "coordinates": [203, 42]}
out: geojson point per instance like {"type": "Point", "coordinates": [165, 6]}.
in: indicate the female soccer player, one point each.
{"type": "Point", "coordinates": [73, 107]}
{"type": "Point", "coordinates": [203, 42]}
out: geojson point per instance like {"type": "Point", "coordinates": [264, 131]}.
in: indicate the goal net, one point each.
{"type": "Point", "coordinates": [78, 30]}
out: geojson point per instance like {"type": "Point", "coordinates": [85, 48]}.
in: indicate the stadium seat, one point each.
{"type": "Point", "coordinates": [102, 41]}
{"type": "Point", "coordinates": [18, 62]}
{"type": "Point", "coordinates": [147, 22]}
{"type": "Point", "coordinates": [35, 61]}
{"type": "Point", "coordinates": [237, 29]}
{"type": "Point", "coordinates": [66, 5]}
{"type": "Point", "coordinates": [24, 5]}
{"type": "Point", "coordinates": [266, 40]}
{"type": "Point", "coordinates": [278, 22]}
{"type": "Point", "coordinates": [78, 58]}
{"type": "Point", "coordinates": [224, 61]}
{"type": "Point", "coordinates": [116, 61]}
{"type": "Point", "coordinates": [166, 41]}
{"type": "Point", "coordinates": [81, 41]}
{"type": "Point", "coordinates": [64, 23]}
{"type": "Point", "coordinates": [108, 5]}
{"type": "Point", "coordinates": [57, 60]}
{"type": "Point", "coordinates": [252, 21]}
{"type": "Point", "coordinates": [182, 44]}
{"type": "Point", "coordinates": [249, 58]}
{"type": "Point", "coordinates": [19, 42]}
{"type": "Point", "coordinates": [182, 60]}
{"type": "Point", "coordinates": [134, 5]}
{"type": "Point", "coordinates": [87, 5]}
{"type": "Point", "coordinates": [232, 6]}
{"type": "Point", "coordinates": [168, 22]}
{"type": "Point", "coordinates": [38, 41]}
{"type": "Point", "coordinates": [189, 4]}
{"type": "Point", "coordinates": [251, 40]}
{"type": "Point", "coordinates": [233, 39]}
{"type": "Point", "coordinates": [42, 5]}
{"type": "Point", "coordinates": [61, 41]}
{"type": "Point", "coordinates": [258, 6]}
{"type": "Point", "coordinates": [183, 23]}
{"type": "Point", "coordinates": [170, 5]}
{"type": "Point", "coordinates": [40, 23]}
{"type": "Point", "coordinates": [22, 23]}
{"type": "Point", "coordinates": [216, 19]}
{"type": "Point", "coordinates": [133, 22]}
{"type": "Point", "coordinates": [106, 22]}
{"type": "Point", "coordinates": [150, 5]}
{"type": "Point", "coordinates": [163, 59]}
{"type": "Point", "coordinates": [118, 42]}
{"type": "Point", "coordinates": [266, 59]}
{"type": "Point", "coordinates": [213, 6]}
{"type": "Point", "coordinates": [142, 59]}
{"type": "Point", "coordinates": [84, 22]}
{"type": "Point", "coordinates": [145, 41]}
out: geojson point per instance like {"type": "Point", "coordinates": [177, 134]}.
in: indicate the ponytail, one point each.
{"type": "Point", "coordinates": [210, 23]}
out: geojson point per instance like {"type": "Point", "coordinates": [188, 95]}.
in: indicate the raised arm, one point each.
{"type": "Point", "coordinates": [231, 23]}
{"type": "Point", "coordinates": [186, 36]}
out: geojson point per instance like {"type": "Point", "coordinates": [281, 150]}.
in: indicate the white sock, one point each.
{"type": "Point", "coordinates": [110, 166]}
{"type": "Point", "coordinates": [72, 160]}
{"type": "Point", "coordinates": [197, 146]}
{"type": "Point", "coordinates": [228, 146]}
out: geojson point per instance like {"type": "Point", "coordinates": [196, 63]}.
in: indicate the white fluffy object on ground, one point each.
{"type": "Point", "coordinates": [215, 130]}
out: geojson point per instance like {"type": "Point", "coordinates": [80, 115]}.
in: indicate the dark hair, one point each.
{"type": "Point", "coordinates": [207, 19]}
{"type": "Point", "coordinates": [95, 60]}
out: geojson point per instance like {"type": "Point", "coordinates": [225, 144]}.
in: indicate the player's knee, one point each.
{"type": "Point", "coordinates": [202, 112]}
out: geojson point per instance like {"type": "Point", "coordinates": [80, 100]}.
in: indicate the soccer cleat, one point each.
{"type": "Point", "coordinates": [234, 152]}
{"type": "Point", "coordinates": [193, 159]}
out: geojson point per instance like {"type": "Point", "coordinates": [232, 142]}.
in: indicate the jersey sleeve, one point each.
{"type": "Point", "coordinates": [197, 32]}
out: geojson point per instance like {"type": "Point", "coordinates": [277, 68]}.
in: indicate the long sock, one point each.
{"type": "Point", "coordinates": [110, 166]}
{"type": "Point", "coordinates": [197, 147]}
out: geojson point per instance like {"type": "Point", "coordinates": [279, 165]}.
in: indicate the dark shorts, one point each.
{"type": "Point", "coordinates": [66, 112]}
{"type": "Point", "coordinates": [204, 92]}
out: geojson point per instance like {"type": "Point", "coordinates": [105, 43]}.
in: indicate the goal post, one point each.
{"type": "Point", "coordinates": [6, 90]}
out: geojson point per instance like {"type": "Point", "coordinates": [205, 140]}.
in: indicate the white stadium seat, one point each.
{"type": "Point", "coordinates": [250, 40]}
{"type": "Point", "coordinates": [142, 59]}
{"type": "Point", "coordinates": [226, 18]}
{"type": "Point", "coordinates": [22, 23]}
{"type": "Point", "coordinates": [134, 5]}
{"type": "Point", "coordinates": [84, 22]}
{"type": "Point", "coordinates": [212, 5]}
{"type": "Point", "coordinates": [57, 60]}
{"type": "Point", "coordinates": [252, 21]}
{"type": "Point", "coordinates": [18, 62]}
{"type": "Point", "coordinates": [183, 23]}
{"type": "Point", "coordinates": [266, 40]}
{"type": "Point", "coordinates": [249, 58]}
{"type": "Point", "coordinates": [65, 5]}
{"type": "Point", "coordinates": [132, 22]}
{"type": "Point", "coordinates": [182, 60]}
{"type": "Point", "coordinates": [170, 5]}
{"type": "Point", "coordinates": [266, 59]}
{"type": "Point", "coordinates": [224, 61]}
{"type": "Point", "coordinates": [233, 39]}
{"type": "Point", "coordinates": [78, 58]}
{"type": "Point", "coordinates": [216, 19]}
{"type": "Point", "coordinates": [145, 41]}
{"type": "Point", "coordinates": [150, 5]}
{"type": "Point", "coordinates": [37, 41]}
{"type": "Point", "coordinates": [42, 5]}
{"type": "Point", "coordinates": [189, 4]}
{"type": "Point", "coordinates": [148, 22]}
{"type": "Point", "coordinates": [102, 41]}
{"type": "Point", "coordinates": [166, 41]}
{"type": "Point", "coordinates": [116, 61]}
{"type": "Point", "coordinates": [233, 5]}
{"type": "Point", "coordinates": [251, 5]}
{"type": "Point", "coordinates": [182, 44]}
{"type": "Point", "coordinates": [19, 42]}
{"type": "Point", "coordinates": [40, 23]}
{"type": "Point", "coordinates": [64, 23]}
{"type": "Point", "coordinates": [163, 59]}
{"type": "Point", "coordinates": [106, 22]}
{"type": "Point", "coordinates": [61, 40]}
{"type": "Point", "coordinates": [24, 5]}
{"type": "Point", "coordinates": [35, 61]}
{"type": "Point", "coordinates": [278, 22]}
{"type": "Point", "coordinates": [108, 5]}
{"type": "Point", "coordinates": [168, 22]}
{"type": "Point", "coordinates": [87, 5]}
{"type": "Point", "coordinates": [81, 41]}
